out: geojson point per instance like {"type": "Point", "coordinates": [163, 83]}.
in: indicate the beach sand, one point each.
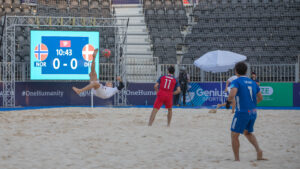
{"type": "Point", "coordinates": [86, 138]}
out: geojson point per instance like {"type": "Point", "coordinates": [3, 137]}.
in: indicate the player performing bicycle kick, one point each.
{"type": "Point", "coordinates": [104, 92]}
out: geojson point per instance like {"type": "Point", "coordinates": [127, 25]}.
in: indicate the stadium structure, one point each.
{"type": "Point", "coordinates": [145, 37]}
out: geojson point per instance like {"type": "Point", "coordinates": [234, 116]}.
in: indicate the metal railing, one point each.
{"type": "Point", "coordinates": [106, 72]}
{"type": "Point", "coordinates": [265, 72]}
{"type": "Point", "coordinates": [142, 69]}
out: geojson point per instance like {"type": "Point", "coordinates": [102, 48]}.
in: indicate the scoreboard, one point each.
{"type": "Point", "coordinates": [62, 55]}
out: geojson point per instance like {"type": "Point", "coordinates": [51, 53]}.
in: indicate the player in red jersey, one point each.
{"type": "Point", "coordinates": [168, 86]}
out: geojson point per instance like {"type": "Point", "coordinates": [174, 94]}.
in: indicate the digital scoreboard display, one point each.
{"type": "Point", "coordinates": [62, 55]}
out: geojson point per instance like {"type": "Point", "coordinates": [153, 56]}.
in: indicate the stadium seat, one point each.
{"type": "Point", "coordinates": [158, 4]}
{"type": "Point", "coordinates": [74, 11]}
{"type": "Point", "coordinates": [246, 25]}
{"type": "Point", "coordinates": [16, 10]}
{"type": "Point", "coordinates": [74, 3]}
{"type": "Point", "coordinates": [168, 4]}
{"type": "Point", "coordinates": [105, 4]}
{"type": "Point", "coordinates": [147, 4]}
{"type": "Point", "coordinates": [105, 13]}
{"type": "Point", "coordinates": [16, 3]}
{"type": "Point", "coordinates": [7, 3]}
{"type": "Point", "coordinates": [52, 11]}
{"type": "Point", "coordinates": [94, 4]}
{"type": "Point", "coordinates": [178, 4]}
{"type": "Point", "coordinates": [84, 3]}
{"type": "Point", "coordinates": [8, 10]}
{"type": "Point", "coordinates": [84, 11]}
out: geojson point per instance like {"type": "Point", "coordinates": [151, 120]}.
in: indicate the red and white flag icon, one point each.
{"type": "Point", "coordinates": [87, 52]}
{"type": "Point", "coordinates": [41, 52]}
{"type": "Point", "coordinates": [65, 43]}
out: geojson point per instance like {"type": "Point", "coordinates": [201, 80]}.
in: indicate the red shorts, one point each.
{"type": "Point", "coordinates": [161, 99]}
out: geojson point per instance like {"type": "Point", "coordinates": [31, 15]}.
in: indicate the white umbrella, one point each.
{"type": "Point", "coordinates": [219, 61]}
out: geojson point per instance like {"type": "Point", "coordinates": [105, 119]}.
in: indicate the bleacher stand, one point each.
{"type": "Point", "coordinates": [58, 8]}
{"type": "Point", "coordinates": [165, 21]}
{"type": "Point", "coordinates": [265, 31]}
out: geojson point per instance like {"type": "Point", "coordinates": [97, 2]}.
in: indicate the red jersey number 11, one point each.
{"type": "Point", "coordinates": [167, 84]}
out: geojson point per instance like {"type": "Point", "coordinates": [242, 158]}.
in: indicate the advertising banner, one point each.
{"type": "Point", "coordinates": [276, 94]}
{"type": "Point", "coordinates": [205, 94]}
{"type": "Point", "coordinates": [140, 93]}
{"type": "Point", "coordinates": [54, 94]}
{"type": "Point", "coordinates": [199, 94]}
{"type": "Point", "coordinates": [1, 94]}
{"type": "Point", "coordinates": [296, 93]}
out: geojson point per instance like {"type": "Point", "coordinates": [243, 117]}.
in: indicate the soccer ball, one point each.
{"type": "Point", "coordinates": [106, 53]}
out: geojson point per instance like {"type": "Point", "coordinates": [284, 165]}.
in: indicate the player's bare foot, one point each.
{"type": "Point", "coordinates": [260, 156]}
{"type": "Point", "coordinates": [76, 90]}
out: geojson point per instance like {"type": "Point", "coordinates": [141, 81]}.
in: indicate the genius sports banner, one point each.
{"type": "Point", "coordinates": [205, 94]}
{"type": "Point", "coordinates": [199, 94]}
{"type": "Point", "coordinates": [276, 94]}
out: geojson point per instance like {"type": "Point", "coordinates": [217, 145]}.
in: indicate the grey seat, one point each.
{"type": "Point", "coordinates": [170, 14]}
{"type": "Point", "coordinates": [147, 4]}
{"type": "Point", "coordinates": [178, 4]}
{"type": "Point", "coordinates": [95, 12]}
{"type": "Point", "coordinates": [150, 14]}
{"type": "Point", "coordinates": [158, 4]}
{"type": "Point", "coordinates": [168, 4]}
{"type": "Point", "coordinates": [171, 60]}
{"type": "Point", "coordinates": [160, 13]}
{"type": "Point", "coordinates": [111, 40]}
{"type": "Point", "coordinates": [187, 60]}
{"type": "Point", "coordinates": [94, 4]}
{"type": "Point", "coordinates": [181, 14]}
{"type": "Point", "coordinates": [105, 13]}
{"type": "Point", "coordinates": [84, 11]}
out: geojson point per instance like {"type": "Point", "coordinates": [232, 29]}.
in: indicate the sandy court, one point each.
{"type": "Point", "coordinates": [120, 138]}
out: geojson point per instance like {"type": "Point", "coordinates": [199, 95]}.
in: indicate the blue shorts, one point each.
{"type": "Point", "coordinates": [241, 122]}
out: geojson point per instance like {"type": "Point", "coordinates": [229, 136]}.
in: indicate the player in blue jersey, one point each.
{"type": "Point", "coordinates": [247, 95]}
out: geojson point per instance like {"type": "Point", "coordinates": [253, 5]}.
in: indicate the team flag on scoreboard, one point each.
{"type": "Point", "coordinates": [65, 43]}
{"type": "Point", "coordinates": [41, 52]}
{"type": "Point", "coordinates": [87, 52]}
